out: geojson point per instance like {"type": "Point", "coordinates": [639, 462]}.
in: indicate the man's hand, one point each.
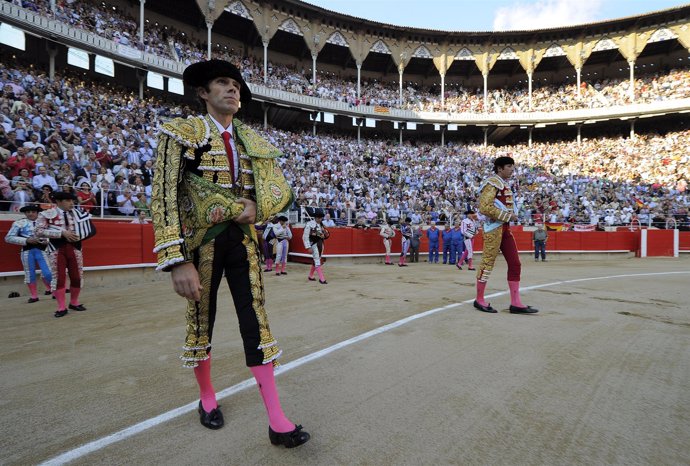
{"type": "Point", "coordinates": [70, 236]}
{"type": "Point", "coordinates": [33, 240]}
{"type": "Point", "coordinates": [185, 280]}
{"type": "Point", "coordinates": [248, 216]}
{"type": "Point", "coordinates": [513, 218]}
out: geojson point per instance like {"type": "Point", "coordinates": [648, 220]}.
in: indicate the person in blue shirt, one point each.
{"type": "Point", "coordinates": [457, 240]}
{"type": "Point", "coordinates": [23, 233]}
{"type": "Point", "coordinates": [433, 234]}
{"type": "Point", "coordinates": [406, 236]}
{"type": "Point", "coordinates": [446, 236]}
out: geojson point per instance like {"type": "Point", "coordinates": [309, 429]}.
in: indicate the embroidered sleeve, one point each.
{"type": "Point", "coordinates": [44, 229]}
{"type": "Point", "coordinates": [305, 236]}
{"type": "Point", "coordinates": [13, 237]}
{"type": "Point", "coordinates": [169, 241]}
{"type": "Point", "coordinates": [487, 206]}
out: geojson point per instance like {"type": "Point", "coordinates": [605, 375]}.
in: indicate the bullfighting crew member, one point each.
{"type": "Point", "coordinates": [266, 248]}
{"type": "Point", "coordinates": [446, 235]}
{"type": "Point", "coordinates": [469, 229]}
{"type": "Point", "coordinates": [456, 242]}
{"type": "Point", "coordinates": [23, 233]}
{"type": "Point", "coordinates": [269, 241]}
{"type": "Point", "coordinates": [313, 237]}
{"type": "Point", "coordinates": [283, 236]}
{"type": "Point", "coordinates": [406, 236]}
{"type": "Point", "coordinates": [387, 233]}
{"type": "Point", "coordinates": [496, 203]}
{"type": "Point", "coordinates": [214, 179]}
{"type": "Point", "coordinates": [432, 233]}
{"type": "Point", "coordinates": [59, 225]}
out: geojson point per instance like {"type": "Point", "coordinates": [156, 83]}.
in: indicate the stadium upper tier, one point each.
{"type": "Point", "coordinates": [616, 69]}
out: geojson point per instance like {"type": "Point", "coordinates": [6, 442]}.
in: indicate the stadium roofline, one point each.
{"type": "Point", "coordinates": [659, 16]}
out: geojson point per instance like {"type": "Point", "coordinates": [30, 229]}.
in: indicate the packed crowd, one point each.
{"type": "Point", "coordinates": [76, 135]}
{"type": "Point", "coordinates": [100, 141]}
{"type": "Point", "coordinates": [167, 41]}
{"type": "Point", "coordinates": [603, 181]}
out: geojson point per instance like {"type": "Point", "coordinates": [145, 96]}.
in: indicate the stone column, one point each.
{"type": "Point", "coordinates": [141, 21]}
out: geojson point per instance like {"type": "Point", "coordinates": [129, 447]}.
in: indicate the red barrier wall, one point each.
{"type": "Point", "coordinates": [121, 243]}
{"type": "Point", "coordinates": [660, 243]}
{"type": "Point", "coordinates": [116, 243]}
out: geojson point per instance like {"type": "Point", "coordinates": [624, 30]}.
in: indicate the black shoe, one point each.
{"type": "Point", "coordinates": [283, 273]}
{"type": "Point", "coordinates": [311, 279]}
{"type": "Point", "coordinates": [78, 307]}
{"type": "Point", "coordinates": [522, 310]}
{"type": "Point", "coordinates": [47, 293]}
{"type": "Point", "coordinates": [323, 282]}
{"type": "Point", "coordinates": [289, 439]}
{"type": "Point", "coordinates": [32, 300]}
{"type": "Point", "coordinates": [486, 308]}
{"type": "Point", "coordinates": [213, 420]}
{"type": "Point", "coordinates": [60, 313]}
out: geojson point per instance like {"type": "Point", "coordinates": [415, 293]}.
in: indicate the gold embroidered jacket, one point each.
{"type": "Point", "coordinates": [193, 196]}
{"type": "Point", "coordinates": [495, 189]}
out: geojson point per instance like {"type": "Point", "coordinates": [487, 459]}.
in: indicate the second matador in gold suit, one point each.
{"type": "Point", "coordinates": [215, 178]}
{"type": "Point", "coordinates": [496, 204]}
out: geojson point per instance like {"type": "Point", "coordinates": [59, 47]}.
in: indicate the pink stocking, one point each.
{"type": "Point", "coordinates": [269, 393]}
{"type": "Point", "coordinates": [481, 286]}
{"type": "Point", "coordinates": [32, 290]}
{"type": "Point", "coordinates": [60, 296]}
{"type": "Point", "coordinates": [311, 272]}
{"type": "Point", "coordinates": [320, 272]}
{"type": "Point", "coordinates": [47, 284]}
{"type": "Point", "coordinates": [515, 294]}
{"type": "Point", "coordinates": [74, 296]}
{"type": "Point", "coordinates": [463, 257]}
{"type": "Point", "coordinates": [202, 372]}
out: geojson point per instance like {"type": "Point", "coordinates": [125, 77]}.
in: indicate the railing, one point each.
{"type": "Point", "coordinates": [55, 29]}
{"type": "Point", "coordinates": [50, 28]}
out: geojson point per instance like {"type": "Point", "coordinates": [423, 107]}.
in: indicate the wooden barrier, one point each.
{"type": "Point", "coordinates": [127, 244]}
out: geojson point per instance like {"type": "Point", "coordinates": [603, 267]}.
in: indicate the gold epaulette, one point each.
{"type": "Point", "coordinates": [192, 132]}
{"type": "Point", "coordinates": [496, 182]}
{"type": "Point", "coordinates": [255, 145]}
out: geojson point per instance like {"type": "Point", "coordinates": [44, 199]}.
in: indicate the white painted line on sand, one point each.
{"type": "Point", "coordinates": [103, 442]}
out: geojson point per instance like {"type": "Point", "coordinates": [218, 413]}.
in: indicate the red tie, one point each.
{"type": "Point", "coordinates": [231, 156]}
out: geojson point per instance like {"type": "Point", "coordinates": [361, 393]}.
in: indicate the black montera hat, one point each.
{"type": "Point", "coordinates": [31, 208]}
{"type": "Point", "coordinates": [200, 73]}
{"type": "Point", "coordinates": [503, 161]}
{"type": "Point", "coordinates": [318, 213]}
{"type": "Point", "coordinates": [61, 196]}
{"type": "Point", "coordinates": [282, 218]}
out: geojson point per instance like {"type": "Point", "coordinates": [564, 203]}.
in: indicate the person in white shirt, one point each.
{"type": "Point", "coordinates": [141, 218]}
{"type": "Point", "coordinates": [43, 178]}
{"type": "Point", "coordinates": [328, 221]}
{"type": "Point", "coordinates": [125, 202]}
{"type": "Point", "coordinates": [283, 236]}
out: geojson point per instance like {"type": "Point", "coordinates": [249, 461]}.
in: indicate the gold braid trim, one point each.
{"type": "Point", "coordinates": [197, 342]}
{"type": "Point", "coordinates": [273, 192]}
{"type": "Point", "coordinates": [167, 227]}
{"type": "Point", "coordinates": [486, 202]}
{"type": "Point", "coordinates": [192, 132]}
{"type": "Point", "coordinates": [492, 244]}
{"type": "Point", "coordinates": [267, 343]}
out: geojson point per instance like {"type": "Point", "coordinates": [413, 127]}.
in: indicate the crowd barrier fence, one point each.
{"type": "Point", "coordinates": [121, 244]}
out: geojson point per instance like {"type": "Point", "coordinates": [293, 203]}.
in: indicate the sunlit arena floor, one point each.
{"type": "Point", "coordinates": [383, 366]}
